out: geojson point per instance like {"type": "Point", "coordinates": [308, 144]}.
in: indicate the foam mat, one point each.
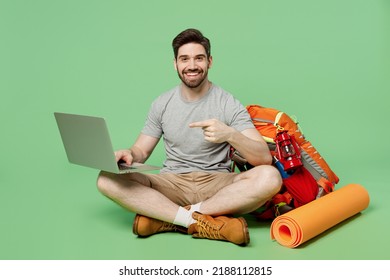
{"type": "Point", "coordinates": [302, 224]}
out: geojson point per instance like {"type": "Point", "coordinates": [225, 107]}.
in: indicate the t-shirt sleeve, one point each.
{"type": "Point", "coordinates": [238, 115]}
{"type": "Point", "coordinates": [152, 125]}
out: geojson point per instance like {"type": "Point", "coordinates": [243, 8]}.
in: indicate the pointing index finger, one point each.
{"type": "Point", "coordinates": [199, 124]}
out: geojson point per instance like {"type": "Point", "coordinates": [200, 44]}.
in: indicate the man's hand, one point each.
{"type": "Point", "coordinates": [214, 130]}
{"type": "Point", "coordinates": [124, 155]}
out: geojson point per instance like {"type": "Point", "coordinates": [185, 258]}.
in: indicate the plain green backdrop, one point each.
{"type": "Point", "coordinates": [326, 61]}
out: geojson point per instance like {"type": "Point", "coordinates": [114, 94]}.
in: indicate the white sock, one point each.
{"type": "Point", "coordinates": [195, 207]}
{"type": "Point", "coordinates": [184, 216]}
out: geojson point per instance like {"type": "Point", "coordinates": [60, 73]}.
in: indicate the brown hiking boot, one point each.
{"type": "Point", "coordinates": [145, 226]}
{"type": "Point", "coordinates": [225, 228]}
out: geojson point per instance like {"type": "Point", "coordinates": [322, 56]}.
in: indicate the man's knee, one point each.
{"type": "Point", "coordinates": [103, 183]}
{"type": "Point", "coordinates": [268, 179]}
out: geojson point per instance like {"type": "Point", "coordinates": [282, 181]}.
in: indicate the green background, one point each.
{"type": "Point", "coordinates": [327, 62]}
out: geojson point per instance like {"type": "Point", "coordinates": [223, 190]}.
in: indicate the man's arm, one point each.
{"type": "Point", "coordinates": [248, 143]}
{"type": "Point", "coordinates": [251, 146]}
{"type": "Point", "coordinates": [140, 151]}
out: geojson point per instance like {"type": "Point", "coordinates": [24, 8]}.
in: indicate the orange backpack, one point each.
{"type": "Point", "coordinates": [269, 121]}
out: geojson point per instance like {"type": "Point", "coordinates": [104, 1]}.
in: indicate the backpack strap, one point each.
{"type": "Point", "coordinates": [325, 184]}
{"type": "Point", "coordinates": [276, 206]}
{"type": "Point", "coordinates": [277, 119]}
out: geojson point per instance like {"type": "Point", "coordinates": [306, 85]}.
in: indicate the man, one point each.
{"type": "Point", "coordinates": [195, 192]}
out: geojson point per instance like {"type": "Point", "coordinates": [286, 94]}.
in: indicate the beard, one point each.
{"type": "Point", "coordinates": [193, 83]}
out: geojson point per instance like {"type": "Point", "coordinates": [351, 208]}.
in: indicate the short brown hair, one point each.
{"type": "Point", "coordinates": [191, 35]}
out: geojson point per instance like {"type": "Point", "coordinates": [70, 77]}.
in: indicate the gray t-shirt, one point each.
{"type": "Point", "coordinates": [186, 149]}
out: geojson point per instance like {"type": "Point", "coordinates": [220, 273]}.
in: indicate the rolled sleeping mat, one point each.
{"type": "Point", "coordinates": [302, 224]}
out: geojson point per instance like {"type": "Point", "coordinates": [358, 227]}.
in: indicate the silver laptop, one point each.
{"type": "Point", "coordinates": [87, 142]}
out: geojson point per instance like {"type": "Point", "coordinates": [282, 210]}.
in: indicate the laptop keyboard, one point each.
{"type": "Point", "coordinates": [124, 166]}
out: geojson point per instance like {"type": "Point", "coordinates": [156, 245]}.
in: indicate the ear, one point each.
{"type": "Point", "coordinates": [210, 61]}
{"type": "Point", "coordinates": [175, 64]}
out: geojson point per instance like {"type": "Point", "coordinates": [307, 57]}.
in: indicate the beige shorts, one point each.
{"type": "Point", "coordinates": [188, 188]}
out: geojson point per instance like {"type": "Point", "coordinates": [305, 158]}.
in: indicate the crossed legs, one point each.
{"type": "Point", "coordinates": [248, 191]}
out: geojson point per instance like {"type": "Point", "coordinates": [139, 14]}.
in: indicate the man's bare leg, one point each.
{"type": "Point", "coordinates": [249, 191]}
{"type": "Point", "coordinates": [136, 197]}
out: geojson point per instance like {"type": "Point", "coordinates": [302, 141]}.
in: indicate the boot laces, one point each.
{"type": "Point", "coordinates": [208, 230]}
{"type": "Point", "coordinates": [168, 227]}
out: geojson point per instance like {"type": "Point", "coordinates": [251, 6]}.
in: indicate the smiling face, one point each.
{"type": "Point", "coordinates": [192, 65]}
